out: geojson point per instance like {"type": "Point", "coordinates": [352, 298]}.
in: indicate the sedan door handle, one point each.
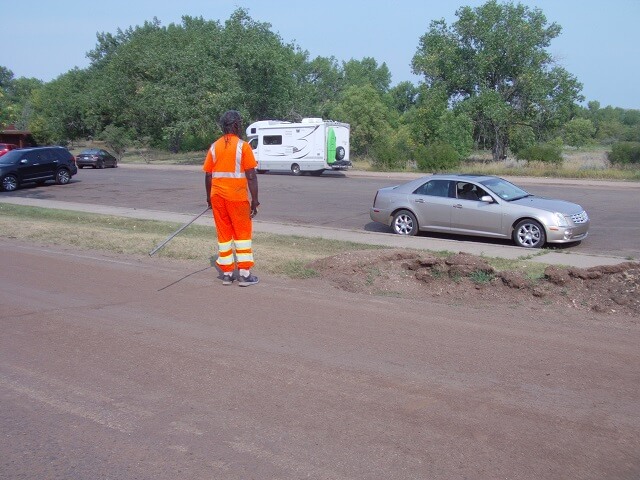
{"type": "Point", "coordinates": [419, 200]}
{"type": "Point", "coordinates": [457, 205]}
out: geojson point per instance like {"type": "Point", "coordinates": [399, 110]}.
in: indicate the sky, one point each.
{"type": "Point", "coordinates": [599, 43]}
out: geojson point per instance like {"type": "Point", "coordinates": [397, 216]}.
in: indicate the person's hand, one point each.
{"type": "Point", "coordinates": [209, 201]}
{"type": "Point", "coordinates": [254, 209]}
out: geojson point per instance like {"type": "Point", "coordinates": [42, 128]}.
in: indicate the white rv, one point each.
{"type": "Point", "coordinates": [313, 145]}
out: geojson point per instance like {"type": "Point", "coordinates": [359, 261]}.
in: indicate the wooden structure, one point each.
{"type": "Point", "coordinates": [21, 138]}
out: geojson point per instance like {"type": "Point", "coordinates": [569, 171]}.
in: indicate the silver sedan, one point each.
{"type": "Point", "coordinates": [478, 205]}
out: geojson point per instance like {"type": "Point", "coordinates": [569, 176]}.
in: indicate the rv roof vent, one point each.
{"type": "Point", "coordinates": [311, 120]}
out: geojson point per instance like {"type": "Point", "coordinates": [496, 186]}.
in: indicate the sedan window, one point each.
{"type": "Point", "coordinates": [435, 188]}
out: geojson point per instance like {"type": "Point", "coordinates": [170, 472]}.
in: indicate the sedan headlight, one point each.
{"type": "Point", "coordinates": [561, 220]}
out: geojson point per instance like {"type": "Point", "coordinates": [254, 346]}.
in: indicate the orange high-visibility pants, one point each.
{"type": "Point", "coordinates": [234, 227]}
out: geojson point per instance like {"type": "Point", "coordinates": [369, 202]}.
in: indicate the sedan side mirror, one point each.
{"type": "Point", "coordinates": [486, 199]}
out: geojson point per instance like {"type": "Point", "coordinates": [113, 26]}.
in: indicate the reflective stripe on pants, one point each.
{"type": "Point", "coordinates": [234, 227]}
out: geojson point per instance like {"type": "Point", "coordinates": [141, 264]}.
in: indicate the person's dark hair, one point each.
{"type": "Point", "coordinates": [231, 122]}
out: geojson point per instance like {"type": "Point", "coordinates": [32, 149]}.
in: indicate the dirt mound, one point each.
{"type": "Point", "coordinates": [612, 289]}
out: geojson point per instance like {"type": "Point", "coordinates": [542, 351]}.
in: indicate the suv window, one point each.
{"type": "Point", "coordinates": [48, 155]}
{"type": "Point", "coordinates": [61, 154]}
{"type": "Point", "coordinates": [11, 158]}
{"type": "Point", "coordinates": [34, 157]}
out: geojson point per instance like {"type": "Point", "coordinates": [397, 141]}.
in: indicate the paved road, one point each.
{"type": "Point", "coordinates": [115, 367]}
{"type": "Point", "coordinates": [337, 200]}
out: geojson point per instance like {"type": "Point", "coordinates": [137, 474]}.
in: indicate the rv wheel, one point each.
{"type": "Point", "coordinates": [340, 153]}
{"type": "Point", "coordinates": [295, 169]}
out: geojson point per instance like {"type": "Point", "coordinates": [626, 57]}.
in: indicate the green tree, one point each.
{"type": "Point", "coordinates": [367, 72]}
{"type": "Point", "coordinates": [320, 83]}
{"type": "Point", "coordinates": [578, 132]}
{"type": "Point", "coordinates": [424, 119]}
{"type": "Point", "coordinates": [59, 108]}
{"type": "Point", "coordinates": [172, 83]}
{"type": "Point", "coordinates": [117, 139]}
{"type": "Point", "coordinates": [433, 122]}
{"type": "Point", "coordinates": [20, 96]}
{"type": "Point", "coordinates": [403, 97]}
{"type": "Point", "coordinates": [6, 108]}
{"type": "Point", "coordinates": [456, 130]}
{"type": "Point", "coordinates": [494, 57]}
{"type": "Point", "coordinates": [370, 118]}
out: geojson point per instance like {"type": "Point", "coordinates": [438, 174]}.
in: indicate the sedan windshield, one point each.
{"type": "Point", "coordinates": [505, 190]}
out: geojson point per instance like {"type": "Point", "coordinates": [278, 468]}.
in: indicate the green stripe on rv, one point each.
{"type": "Point", "coordinates": [331, 146]}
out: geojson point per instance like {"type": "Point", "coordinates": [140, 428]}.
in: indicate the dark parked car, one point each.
{"type": "Point", "coordinates": [36, 165]}
{"type": "Point", "coordinates": [6, 147]}
{"type": "Point", "coordinates": [96, 158]}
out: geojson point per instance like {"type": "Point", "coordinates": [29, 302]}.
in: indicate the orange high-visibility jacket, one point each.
{"type": "Point", "coordinates": [227, 160]}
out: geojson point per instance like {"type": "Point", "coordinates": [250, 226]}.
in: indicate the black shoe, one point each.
{"type": "Point", "coordinates": [227, 279]}
{"type": "Point", "coordinates": [248, 280]}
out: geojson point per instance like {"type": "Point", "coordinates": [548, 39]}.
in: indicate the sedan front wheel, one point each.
{"type": "Point", "coordinates": [529, 234]}
{"type": "Point", "coordinates": [405, 223]}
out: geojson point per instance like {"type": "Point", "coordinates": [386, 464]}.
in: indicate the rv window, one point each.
{"type": "Point", "coordinates": [272, 140]}
{"type": "Point", "coordinates": [254, 143]}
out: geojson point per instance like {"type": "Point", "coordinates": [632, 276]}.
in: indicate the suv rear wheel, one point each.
{"type": "Point", "coordinates": [63, 176]}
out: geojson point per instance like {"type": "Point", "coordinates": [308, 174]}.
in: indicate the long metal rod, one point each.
{"type": "Point", "coordinates": [170, 237]}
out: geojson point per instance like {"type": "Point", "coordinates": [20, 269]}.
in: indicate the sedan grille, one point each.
{"type": "Point", "coordinates": [579, 218]}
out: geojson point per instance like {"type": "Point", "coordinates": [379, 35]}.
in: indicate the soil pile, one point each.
{"type": "Point", "coordinates": [607, 289]}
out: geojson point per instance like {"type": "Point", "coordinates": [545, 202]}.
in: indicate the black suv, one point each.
{"type": "Point", "coordinates": [36, 165]}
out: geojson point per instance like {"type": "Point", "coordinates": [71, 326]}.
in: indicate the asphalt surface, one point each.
{"type": "Point", "coordinates": [564, 256]}
{"type": "Point", "coordinates": [122, 367]}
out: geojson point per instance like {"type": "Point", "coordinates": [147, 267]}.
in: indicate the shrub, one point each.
{"type": "Point", "coordinates": [624, 153]}
{"type": "Point", "coordinates": [437, 157]}
{"type": "Point", "coordinates": [193, 143]}
{"type": "Point", "coordinates": [542, 152]}
{"type": "Point", "coordinates": [389, 156]}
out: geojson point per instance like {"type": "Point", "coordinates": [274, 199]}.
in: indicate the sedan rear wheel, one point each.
{"type": "Point", "coordinates": [405, 223]}
{"type": "Point", "coordinates": [529, 234]}
{"type": "Point", "coordinates": [9, 183]}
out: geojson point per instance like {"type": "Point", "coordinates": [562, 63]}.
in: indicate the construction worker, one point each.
{"type": "Point", "coordinates": [229, 169]}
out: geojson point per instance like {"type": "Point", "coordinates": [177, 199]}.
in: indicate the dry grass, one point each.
{"type": "Point", "coordinates": [577, 163]}
{"type": "Point", "coordinates": [276, 254]}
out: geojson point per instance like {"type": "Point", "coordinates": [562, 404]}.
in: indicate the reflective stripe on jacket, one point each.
{"type": "Point", "coordinates": [227, 161]}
